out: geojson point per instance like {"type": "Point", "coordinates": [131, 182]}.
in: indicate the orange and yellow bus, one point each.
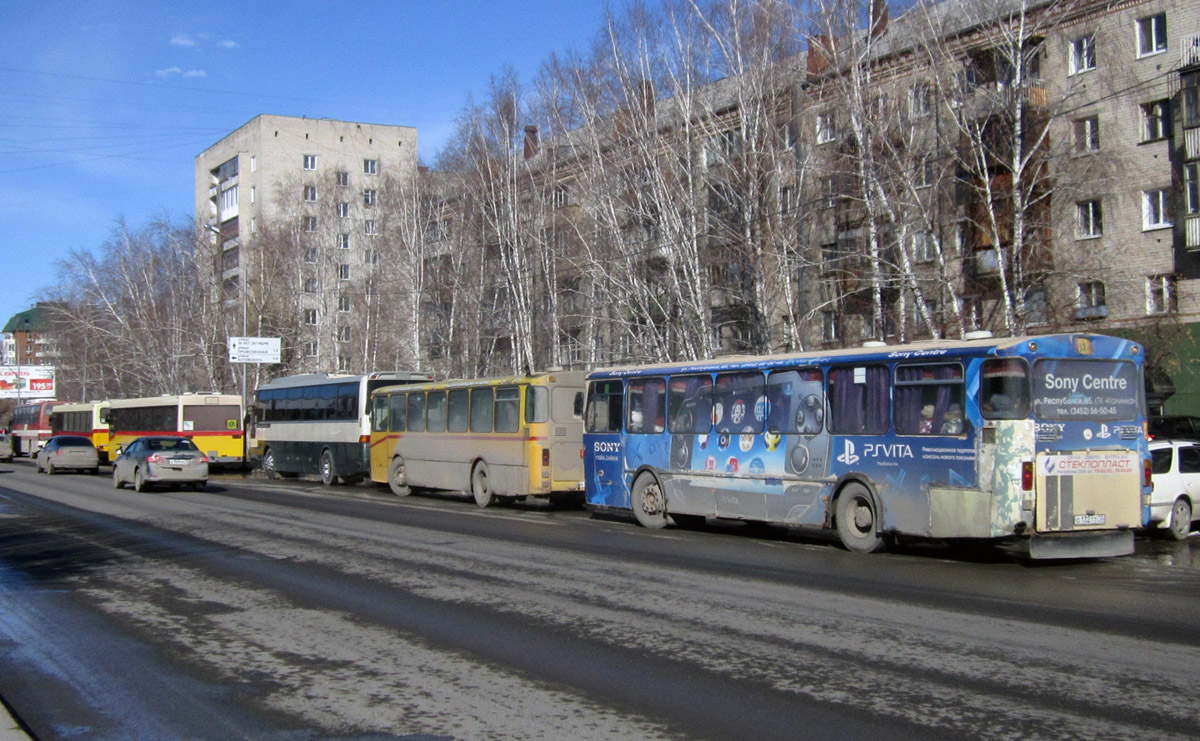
{"type": "Point", "coordinates": [500, 438]}
{"type": "Point", "coordinates": [212, 421]}
{"type": "Point", "coordinates": [85, 419]}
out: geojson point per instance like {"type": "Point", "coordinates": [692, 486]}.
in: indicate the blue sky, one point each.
{"type": "Point", "coordinates": [105, 104]}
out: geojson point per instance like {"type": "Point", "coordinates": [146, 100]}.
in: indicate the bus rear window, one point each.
{"type": "Point", "coordinates": [1093, 390]}
{"type": "Point", "coordinates": [1004, 388]}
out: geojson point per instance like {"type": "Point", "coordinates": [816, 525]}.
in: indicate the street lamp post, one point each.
{"type": "Point", "coordinates": [242, 283]}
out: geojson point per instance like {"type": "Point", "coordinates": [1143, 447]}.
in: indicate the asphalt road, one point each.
{"type": "Point", "coordinates": [286, 610]}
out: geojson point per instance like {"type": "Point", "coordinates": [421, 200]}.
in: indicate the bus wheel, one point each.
{"type": "Point", "coordinates": [1181, 519]}
{"type": "Point", "coordinates": [328, 477]}
{"type": "Point", "coordinates": [398, 479]}
{"type": "Point", "coordinates": [856, 525]}
{"type": "Point", "coordinates": [480, 486]}
{"type": "Point", "coordinates": [649, 504]}
{"type": "Point", "coordinates": [268, 463]}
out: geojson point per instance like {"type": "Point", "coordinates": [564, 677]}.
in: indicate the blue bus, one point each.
{"type": "Point", "coordinates": [1036, 440]}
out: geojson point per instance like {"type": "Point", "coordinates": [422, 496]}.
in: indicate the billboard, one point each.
{"type": "Point", "coordinates": [27, 382]}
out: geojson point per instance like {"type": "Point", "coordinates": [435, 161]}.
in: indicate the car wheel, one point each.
{"type": "Point", "coordinates": [1181, 519]}
{"type": "Point", "coordinates": [139, 483]}
{"type": "Point", "coordinates": [200, 485]}
{"type": "Point", "coordinates": [50, 469]}
{"type": "Point", "coordinates": [117, 483]}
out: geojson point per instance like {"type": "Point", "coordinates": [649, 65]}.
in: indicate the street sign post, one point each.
{"type": "Point", "coordinates": [254, 349]}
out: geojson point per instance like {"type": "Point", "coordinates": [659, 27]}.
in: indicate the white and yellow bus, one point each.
{"type": "Point", "coordinates": [85, 419]}
{"type": "Point", "coordinates": [212, 421]}
{"type": "Point", "coordinates": [500, 438]}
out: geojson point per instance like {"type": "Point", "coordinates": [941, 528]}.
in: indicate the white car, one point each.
{"type": "Point", "coordinates": [1175, 470]}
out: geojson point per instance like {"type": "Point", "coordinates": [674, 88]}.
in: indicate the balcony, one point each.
{"type": "Point", "coordinates": [982, 263]}
{"type": "Point", "coordinates": [1091, 313]}
{"type": "Point", "coordinates": [1189, 55]}
{"type": "Point", "coordinates": [1191, 228]}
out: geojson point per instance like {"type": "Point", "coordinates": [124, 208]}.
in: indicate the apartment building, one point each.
{"type": "Point", "coordinates": [297, 211]}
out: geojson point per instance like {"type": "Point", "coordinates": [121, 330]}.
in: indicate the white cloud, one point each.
{"type": "Point", "coordinates": [195, 73]}
{"type": "Point", "coordinates": [182, 39]}
{"type": "Point", "coordinates": [228, 44]}
{"type": "Point", "coordinates": [168, 72]}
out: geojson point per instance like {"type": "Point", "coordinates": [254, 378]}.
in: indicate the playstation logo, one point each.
{"type": "Point", "coordinates": [848, 457]}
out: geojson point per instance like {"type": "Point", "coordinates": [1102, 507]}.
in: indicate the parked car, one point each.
{"type": "Point", "coordinates": [68, 451]}
{"type": "Point", "coordinates": [161, 460]}
{"type": "Point", "coordinates": [1175, 427]}
{"type": "Point", "coordinates": [1175, 471]}
{"type": "Point", "coordinates": [6, 447]}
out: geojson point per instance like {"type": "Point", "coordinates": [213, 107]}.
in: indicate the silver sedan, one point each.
{"type": "Point", "coordinates": [161, 460]}
{"type": "Point", "coordinates": [68, 451]}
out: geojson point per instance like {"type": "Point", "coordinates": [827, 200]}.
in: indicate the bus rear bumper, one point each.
{"type": "Point", "coordinates": [1104, 544]}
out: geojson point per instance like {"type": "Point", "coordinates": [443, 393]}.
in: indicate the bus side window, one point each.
{"type": "Point", "coordinates": [460, 411]}
{"type": "Point", "coordinates": [689, 405]}
{"type": "Point", "coordinates": [508, 409]}
{"type": "Point", "coordinates": [397, 404]}
{"type": "Point", "coordinates": [741, 403]}
{"type": "Point", "coordinates": [646, 405]}
{"type": "Point", "coordinates": [929, 399]}
{"type": "Point", "coordinates": [379, 414]}
{"type": "Point", "coordinates": [537, 404]}
{"type": "Point", "coordinates": [1004, 388]}
{"type": "Point", "coordinates": [416, 412]}
{"type": "Point", "coordinates": [436, 411]}
{"type": "Point", "coordinates": [859, 400]}
{"type": "Point", "coordinates": [481, 410]}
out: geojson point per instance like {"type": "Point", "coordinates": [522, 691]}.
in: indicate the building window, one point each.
{"type": "Point", "coordinates": [343, 304]}
{"type": "Point", "coordinates": [825, 131]}
{"type": "Point", "coordinates": [254, 164]}
{"type": "Point", "coordinates": [1160, 294]}
{"type": "Point", "coordinates": [1152, 34]}
{"type": "Point", "coordinates": [310, 162]}
{"type": "Point", "coordinates": [786, 198]}
{"type": "Point", "coordinates": [310, 192]}
{"type": "Point", "coordinates": [920, 100]}
{"type": "Point", "coordinates": [1191, 188]}
{"type": "Point", "coordinates": [310, 285]}
{"type": "Point", "coordinates": [559, 197]}
{"type": "Point", "coordinates": [1156, 120]}
{"type": "Point", "coordinates": [829, 331]}
{"type": "Point", "coordinates": [342, 178]}
{"type": "Point", "coordinates": [1089, 300]}
{"type": "Point", "coordinates": [370, 167]}
{"type": "Point", "coordinates": [252, 190]}
{"type": "Point", "coordinates": [369, 227]}
{"type": "Point", "coordinates": [923, 247]}
{"type": "Point", "coordinates": [310, 316]}
{"type": "Point", "coordinates": [371, 257]}
{"type": "Point", "coordinates": [923, 173]}
{"type": "Point", "coordinates": [1087, 134]}
{"type": "Point", "coordinates": [343, 241]}
{"type": "Point", "coordinates": [310, 255]}
{"type": "Point", "coordinates": [1083, 54]}
{"type": "Point", "coordinates": [310, 223]}
{"type": "Point", "coordinates": [1089, 221]}
{"type": "Point", "coordinates": [310, 349]}
{"type": "Point", "coordinates": [369, 197]}
{"type": "Point", "coordinates": [343, 333]}
{"type": "Point", "coordinates": [343, 272]}
{"type": "Point", "coordinates": [343, 210]}
{"type": "Point", "coordinates": [1191, 99]}
{"type": "Point", "coordinates": [343, 363]}
{"type": "Point", "coordinates": [1156, 208]}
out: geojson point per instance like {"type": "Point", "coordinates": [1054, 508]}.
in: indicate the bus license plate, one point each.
{"type": "Point", "coordinates": [1089, 519]}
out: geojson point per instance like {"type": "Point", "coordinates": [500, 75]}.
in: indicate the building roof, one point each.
{"type": "Point", "coordinates": [36, 319]}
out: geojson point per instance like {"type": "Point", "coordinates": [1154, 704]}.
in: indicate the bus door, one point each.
{"type": "Point", "coordinates": [739, 416]}
{"type": "Point", "coordinates": [604, 457]}
{"type": "Point", "coordinates": [797, 442]}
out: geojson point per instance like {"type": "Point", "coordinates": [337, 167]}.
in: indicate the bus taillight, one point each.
{"type": "Point", "coordinates": [1027, 476]}
{"type": "Point", "coordinates": [546, 457]}
{"type": "Point", "coordinates": [1146, 479]}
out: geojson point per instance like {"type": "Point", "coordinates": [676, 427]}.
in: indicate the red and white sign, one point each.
{"type": "Point", "coordinates": [27, 382]}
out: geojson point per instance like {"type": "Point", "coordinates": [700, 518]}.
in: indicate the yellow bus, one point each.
{"type": "Point", "coordinates": [500, 438]}
{"type": "Point", "coordinates": [86, 419]}
{"type": "Point", "coordinates": [212, 421]}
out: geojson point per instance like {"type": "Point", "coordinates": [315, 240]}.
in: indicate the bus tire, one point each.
{"type": "Point", "coordinates": [857, 524]}
{"type": "Point", "coordinates": [328, 477]}
{"type": "Point", "coordinates": [268, 463]}
{"type": "Point", "coordinates": [481, 487]}
{"type": "Point", "coordinates": [398, 478]}
{"type": "Point", "coordinates": [1181, 519]}
{"type": "Point", "coordinates": [649, 502]}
